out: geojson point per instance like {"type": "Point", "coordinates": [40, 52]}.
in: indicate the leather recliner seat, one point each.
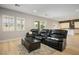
{"type": "Point", "coordinates": [43, 34]}
{"type": "Point", "coordinates": [56, 39]}
{"type": "Point", "coordinates": [53, 38]}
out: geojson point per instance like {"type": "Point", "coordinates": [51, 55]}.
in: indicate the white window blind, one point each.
{"type": "Point", "coordinates": [8, 23]}
{"type": "Point", "coordinates": [20, 24]}
{"type": "Point", "coordinates": [11, 23]}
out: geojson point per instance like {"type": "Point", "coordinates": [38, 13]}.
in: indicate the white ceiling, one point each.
{"type": "Point", "coordinates": [53, 11]}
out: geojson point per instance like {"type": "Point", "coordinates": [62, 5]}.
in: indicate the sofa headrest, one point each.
{"type": "Point", "coordinates": [34, 30]}
{"type": "Point", "coordinates": [57, 31]}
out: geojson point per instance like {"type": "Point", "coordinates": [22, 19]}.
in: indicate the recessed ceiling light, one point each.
{"type": "Point", "coordinates": [77, 10]}
{"type": "Point", "coordinates": [34, 11]}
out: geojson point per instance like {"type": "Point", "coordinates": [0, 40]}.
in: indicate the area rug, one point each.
{"type": "Point", "coordinates": [14, 47]}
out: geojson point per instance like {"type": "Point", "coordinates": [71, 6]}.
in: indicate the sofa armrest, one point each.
{"type": "Point", "coordinates": [38, 37]}
{"type": "Point", "coordinates": [55, 39]}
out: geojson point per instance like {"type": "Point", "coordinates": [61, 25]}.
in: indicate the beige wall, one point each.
{"type": "Point", "coordinates": [76, 31]}
{"type": "Point", "coordinates": [29, 20]}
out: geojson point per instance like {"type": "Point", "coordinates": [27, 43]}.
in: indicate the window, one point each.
{"type": "Point", "coordinates": [36, 24]}
{"type": "Point", "coordinates": [39, 25]}
{"type": "Point", "coordinates": [76, 24]}
{"type": "Point", "coordinates": [8, 23]}
{"type": "Point", "coordinates": [20, 24]}
{"type": "Point", "coordinates": [64, 25]}
{"type": "Point", "coordinates": [42, 24]}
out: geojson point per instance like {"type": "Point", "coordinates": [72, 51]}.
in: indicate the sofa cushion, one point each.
{"type": "Point", "coordinates": [52, 38]}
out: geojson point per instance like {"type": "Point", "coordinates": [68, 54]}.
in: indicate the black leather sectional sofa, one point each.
{"type": "Point", "coordinates": [55, 38]}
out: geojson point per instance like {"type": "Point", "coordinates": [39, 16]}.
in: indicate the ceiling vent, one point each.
{"type": "Point", "coordinates": [17, 5]}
